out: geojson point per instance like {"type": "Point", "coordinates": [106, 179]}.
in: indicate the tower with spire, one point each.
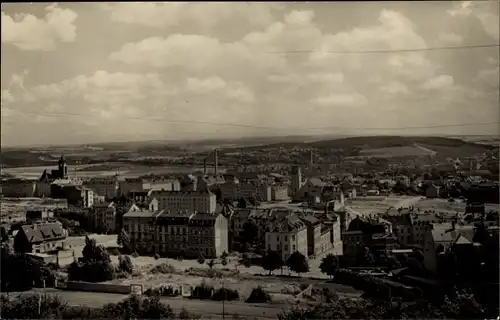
{"type": "Point", "coordinates": [62, 168]}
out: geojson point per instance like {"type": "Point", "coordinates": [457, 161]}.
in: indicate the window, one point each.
{"type": "Point", "coordinates": [286, 247]}
{"type": "Point", "coordinates": [293, 248]}
{"type": "Point", "coordinates": [293, 237]}
{"type": "Point", "coordinates": [286, 238]}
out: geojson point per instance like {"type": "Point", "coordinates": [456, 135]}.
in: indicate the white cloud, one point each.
{"type": "Point", "coordinates": [486, 11]}
{"type": "Point", "coordinates": [219, 87]}
{"type": "Point", "coordinates": [439, 83]}
{"type": "Point", "coordinates": [28, 32]}
{"type": "Point", "coordinates": [395, 88]}
{"type": "Point", "coordinates": [450, 38]}
{"type": "Point", "coordinates": [463, 8]}
{"type": "Point", "coordinates": [200, 15]}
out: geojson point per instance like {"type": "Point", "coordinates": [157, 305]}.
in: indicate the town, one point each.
{"type": "Point", "coordinates": [243, 232]}
{"type": "Point", "coordinates": [250, 160]}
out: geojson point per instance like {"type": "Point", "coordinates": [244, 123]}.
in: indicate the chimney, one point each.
{"type": "Point", "coordinates": [215, 161]}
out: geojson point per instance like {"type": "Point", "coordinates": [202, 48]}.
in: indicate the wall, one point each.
{"type": "Point", "coordinates": [97, 287]}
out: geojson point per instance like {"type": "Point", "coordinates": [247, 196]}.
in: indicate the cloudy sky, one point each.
{"type": "Point", "coordinates": [90, 72]}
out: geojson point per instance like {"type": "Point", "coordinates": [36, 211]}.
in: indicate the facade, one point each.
{"type": "Point", "coordinates": [314, 244]}
{"type": "Point", "coordinates": [103, 217]}
{"type": "Point", "coordinates": [39, 215]}
{"type": "Point", "coordinates": [40, 238]}
{"type": "Point", "coordinates": [18, 188]}
{"type": "Point", "coordinates": [279, 192]}
{"type": "Point", "coordinates": [108, 187]}
{"type": "Point", "coordinates": [136, 185]}
{"type": "Point", "coordinates": [140, 224]}
{"type": "Point", "coordinates": [191, 201]}
{"type": "Point", "coordinates": [237, 190]}
{"type": "Point", "coordinates": [432, 191]}
{"type": "Point", "coordinates": [287, 236]}
{"type": "Point", "coordinates": [296, 182]}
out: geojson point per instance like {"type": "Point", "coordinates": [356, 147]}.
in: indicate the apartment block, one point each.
{"type": "Point", "coordinates": [190, 201]}
{"type": "Point", "coordinates": [103, 217]}
{"type": "Point", "coordinates": [287, 236]}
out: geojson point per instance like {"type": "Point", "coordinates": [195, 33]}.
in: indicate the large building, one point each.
{"type": "Point", "coordinates": [42, 237]}
{"type": "Point", "coordinates": [60, 173]}
{"type": "Point", "coordinates": [106, 186]}
{"type": "Point", "coordinates": [287, 236]}
{"type": "Point", "coordinates": [177, 233]}
{"type": "Point", "coordinates": [103, 217]}
{"type": "Point", "coordinates": [191, 201]}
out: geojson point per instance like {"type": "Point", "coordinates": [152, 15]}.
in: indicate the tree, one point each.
{"type": "Point", "coordinates": [224, 255]}
{"type": "Point", "coordinates": [211, 263]}
{"type": "Point", "coordinates": [125, 264]}
{"type": "Point", "coordinates": [224, 261]}
{"type": "Point", "coordinates": [201, 259]}
{"type": "Point", "coordinates": [297, 262]}
{"type": "Point", "coordinates": [123, 240]}
{"type": "Point", "coordinates": [329, 265]}
{"type": "Point", "coordinates": [250, 231]}
{"type": "Point", "coordinates": [272, 261]}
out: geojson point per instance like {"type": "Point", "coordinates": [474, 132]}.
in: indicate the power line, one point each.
{"type": "Point", "coordinates": [260, 127]}
{"type": "Point", "coordinates": [390, 51]}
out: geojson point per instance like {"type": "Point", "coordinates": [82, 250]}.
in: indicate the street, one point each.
{"type": "Point", "coordinates": [212, 309]}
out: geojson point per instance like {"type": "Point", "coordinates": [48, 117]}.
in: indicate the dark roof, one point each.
{"type": "Point", "coordinates": [288, 224]}
{"type": "Point", "coordinates": [36, 233]}
{"type": "Point", "coordinates": [317, 182]}
{"type": "Point", "coordinates": [310, 220]}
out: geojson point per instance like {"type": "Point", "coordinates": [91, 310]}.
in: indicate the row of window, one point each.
{"type": "Point", "coordinates": [278, 248]}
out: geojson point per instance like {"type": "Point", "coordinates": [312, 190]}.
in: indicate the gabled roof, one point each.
{"type": "Point", "coordinates": [316, 182]}
{"type": "Point", "coordinates": [37, 233]}
{"type": "Point", "coordinates": [291, 223]}
{"type": "Point", "coordinates": [138, 212]}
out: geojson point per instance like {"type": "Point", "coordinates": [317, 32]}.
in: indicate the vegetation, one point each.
{"type": "Point", "coordinates": [163, 291]}
{"type": "Point", "coordinates": [51, 307]}
{"type": "Point", "coordinates": [211, 263]}
{"type": "Point", "coordinates": [250, 231]}
{"type": "Point", "coordinates": [329, 265]}
{"type": "Point", "coordinates": [201, 259]}
{"type": "Point", "coordinates": [258, 295]}
{"type": "Point", "coordinates": [225, 294]}
{"type": "Point", "coordinates": [272, 261]}
{"type": "Point", "coordinates": [460, 305]}
{"type": "Point", "coordinates": [164, 268]}
{"type": "Point", "coordinates": [94, 266]}
{"type": "Point", "coordinates": [202, 291]}
{"type": "Point", "coordinates": [297, 262]}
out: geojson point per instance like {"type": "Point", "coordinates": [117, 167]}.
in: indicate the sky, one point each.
{"type": "Point", "coordinates": [102, 72]}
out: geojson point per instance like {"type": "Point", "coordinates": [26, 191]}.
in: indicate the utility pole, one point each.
{"type": "Point", "coordinates": [223, 300]}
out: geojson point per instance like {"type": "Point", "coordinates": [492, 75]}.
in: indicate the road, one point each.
{"type": "Point", "coordinates": [206, 308]}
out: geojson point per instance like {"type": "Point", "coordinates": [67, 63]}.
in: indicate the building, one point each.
{"type": "Point", "coordinates": [137, 185]}
{"type": "Point", "coordinates": [296, 182]}
{"type": "Point", "coordinates": [140, 224]}
{"type": "Point", "coordinates": [76, 194]}
{"type": "Point", "coordinates": [39, 215]}
{"type": "Point", "coordinates": [191, 201]}
{"type": "Point", "coordinates": [432, 191]}
{"type": "Point", "coordinates": [40, 238]}
{"type": "Point", "coordinates": [439, 239]}
{"type": "Point", "coordinates": [279, 192]}
{"type": "Point", "coordinates": [18, 188]}
{"type": "Point", "coordinates": [408, 227]}
{"type": "Point", "coordinates": [314, 244]}
{"type": "Point", "coordinates": [208, 235]}
{"type": "Point", "coordinates": [286, 236]}
{"type": "Point", "coordinates": [367, 232]}
{"type": "Point", "coordinates": [106, 186]}
{"type": "Point", "coordinates": [103, 217]}
{"type": "Point", "coordinates": [60, 173]}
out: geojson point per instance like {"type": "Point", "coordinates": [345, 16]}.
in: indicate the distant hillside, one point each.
{"type": "Point", "coordinates": [401, 146]}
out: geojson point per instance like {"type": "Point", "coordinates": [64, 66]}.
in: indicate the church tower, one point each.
{"type": "Point", "coordinates": [63, 168]}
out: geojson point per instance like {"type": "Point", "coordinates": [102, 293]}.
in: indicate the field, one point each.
{"type": "Point", "coordinates": [378, 204]}
{"type": "Point", "coordinates": [234, 275]}
{"type": "Point", "coordinates": [102, 170]}
{"type": "Point", "coordinates": [397, 152]}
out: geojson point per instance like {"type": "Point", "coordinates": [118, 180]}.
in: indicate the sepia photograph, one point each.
{"type": "Point", "coordinates": [250, 160]}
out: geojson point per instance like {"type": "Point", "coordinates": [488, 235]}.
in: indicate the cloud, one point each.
{"type": "Point", "coordinates": [28, 32]}
{"type": "Point", "coordinates": [438, 83]}
{"type": "Point", "coordinates": [450, 38]}
{"type": "Point", "coordinates": [217, 86]}
{"type": "Point", "coordinates": [199, 15]}
{"type": "Point", "coordinates": [395, 88]}
{"type": "Point", "coordinates": [486, 11]}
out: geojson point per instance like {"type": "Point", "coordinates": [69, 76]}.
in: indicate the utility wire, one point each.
{"type": "Point", "coordinates": [478, 46]}
{"type": "Point", "coordinates": [257, 126]}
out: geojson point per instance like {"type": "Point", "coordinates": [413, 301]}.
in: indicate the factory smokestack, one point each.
{"type": "Point", "coordinates": [311, 160]}
{"type": "Point", "coordinates": [215, 161]}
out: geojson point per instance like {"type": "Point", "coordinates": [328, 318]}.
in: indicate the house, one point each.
{"type": "Point", "coordinates": [432, 191]}
{"type": "Point", "coordinates": [279, 192]}
{"type": "Point", "coordinates": [39, 215]}
{"type": "Point", "coordinates": [287, 235]}
{"type": "Point", "coordinates": [439, 239]}
{"type": "Point", "coordinates": [106, 186]}
{"type": "Point", "coordinates": [40, 238]}
{"type": "Point", "coordinates": [103, 217]}
{"type": "Point", "coordinates": [140, 224]}
{"type": "Point", "coordinates": [208, 235]}
{"type": "Point", "coordinates": [314, 244]}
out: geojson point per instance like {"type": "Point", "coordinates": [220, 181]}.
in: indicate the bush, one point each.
{"type": "Point", "coordinates": [157, 256]}
{"type": "Point", "coordinates": [135, 254]}
{"type": "Point", "coordinates": [201, 259]}
{"type": "Point", "coordinates": [163, 291]}
{"type": "Point", "coordinates": [185, 314]}
{"type": "Point", "coordinates": [164, 268]}
{"type": "Point", "coordinates": [125, 264]}
{"type": "Point", "coordinates": [225, 294]}
{"type": "Point", "coordinates": [202, 291]}
{"type": "Point", "coordinates": [258, 295]}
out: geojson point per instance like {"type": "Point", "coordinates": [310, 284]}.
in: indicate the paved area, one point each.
{"type": "Point", "coordinates": [210, 309]}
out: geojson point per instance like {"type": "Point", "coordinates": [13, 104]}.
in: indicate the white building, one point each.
{"type": "Point", "coordinates": [287, 236]}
